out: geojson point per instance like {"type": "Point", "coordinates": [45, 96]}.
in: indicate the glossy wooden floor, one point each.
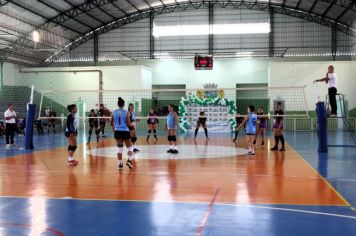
{"type": "Point", "coordinates": [268, 178]}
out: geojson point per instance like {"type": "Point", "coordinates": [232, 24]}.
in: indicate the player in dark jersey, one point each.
{"type": "Point", "coordinates": [51, 120]}
{"type": "Point", "coordinates": [261, 125]}
{"type": "Point", "coordinates": [94, 124]}
{"type": "Point", "coordinates": [71, 134]}
{"type": "Point", "coordinates": [103, 114]}
{"type": "Point", "coordinates": [121, 124]}
{"type": "Point", "coordinates": [152, 122]}
{"type": "Point", "coordinates": [133, 134]}
{"type": "Point", "coordinates": [201, 122]}
{"type": "Point", "coordinates": [239, 119]}
{"type": "Point", "coordinates": [278, 127]}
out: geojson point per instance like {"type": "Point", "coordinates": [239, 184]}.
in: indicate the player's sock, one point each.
{"type": "Point", "coordinates": [206, 132]}
{"type": "Point", "coordinates": [196, 132]}
{"type": "Point", "coordinates": [148, 135]}
{"type": "Point", "coordinates": [281, 137]}
{"type": "Point", "coordinates": [70, 158]}
{"type": "Point", "coordinates": [236, 134]}
{"type": "Point", "coordinates": [276, 140]}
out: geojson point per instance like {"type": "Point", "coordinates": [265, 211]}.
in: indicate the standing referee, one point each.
{"type": "Point", "coordinates": [10, 121]}
{"type": "Point", "coordinates": [331, 80]}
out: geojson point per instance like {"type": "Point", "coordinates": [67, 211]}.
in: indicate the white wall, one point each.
{"type": "Point", "coordinates": [304, 73]}
{"type": "Point", "coordinates": [226, 73]}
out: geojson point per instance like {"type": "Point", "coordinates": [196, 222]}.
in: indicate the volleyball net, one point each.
{"type": "Point", "coordinates": [219, 105]}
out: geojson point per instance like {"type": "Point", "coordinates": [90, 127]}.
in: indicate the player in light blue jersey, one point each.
{"type": "Point", "coordinates": [171, 128]}
{"type": "Point", "coordinates": [251, 127]}
{"type": "Point", "coordinates": [121, 124]}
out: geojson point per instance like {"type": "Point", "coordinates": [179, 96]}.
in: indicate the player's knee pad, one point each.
{"type": "Point", "coordinates": [120, 145]}
{"type": "Point", "coordinates": [120, 150]}
{"type": "Point", "coordinates": [174, 138]}
{"type": "Point", "coordinates": [169, 138]}
{"type": "Point", "coordinates": [154, 131]}
{"type": "Point", "coordinates": [133, 139]}
{"type": "Point", "coordinates": [74, 148]}
{"type": "Point", "coordinates": [149, 131]}
{"type": "Point", "coordinates": [130, 149]}
{"type": "Point", "coordinates": [69, 148]}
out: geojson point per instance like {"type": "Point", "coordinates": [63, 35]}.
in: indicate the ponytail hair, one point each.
{"type": "Point", "coordinates": [120, 102]}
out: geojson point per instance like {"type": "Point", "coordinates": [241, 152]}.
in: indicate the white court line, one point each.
{"type": "Point", "coordinates": [204, 203]}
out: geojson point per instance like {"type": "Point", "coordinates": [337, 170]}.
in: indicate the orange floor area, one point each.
{"type": "Point", "coordinates": [268, 178]}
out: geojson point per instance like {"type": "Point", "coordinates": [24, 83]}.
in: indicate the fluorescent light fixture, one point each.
{"type": "Point", "coordinates": [244, 54]}
{"type": "Point", "coordinates": [36, 36]}
{"type": "Point", "coordinates": [162, 55]}
{"type": "Point", "coordinates": [217, 29]}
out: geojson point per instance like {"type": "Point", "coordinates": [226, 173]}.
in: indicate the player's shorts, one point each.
{"type": "Point", "coordinates": [67, 134]}
{"type": "Point", "coordinates": [263, 125]}
{"type": "Point", "coordinates": [151, 122]}
{"type": "Point", "coordinates": [278, 125]}
{"type": "Point", "coordinates": [124, 135]}
{"type": "Point", "coordinates": [95, 125]}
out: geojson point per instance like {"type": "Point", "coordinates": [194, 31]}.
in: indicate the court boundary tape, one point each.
{"type": "Point", "coordinates": [324, 179]}
{"type": "Point", "coordinates": [261, 206]}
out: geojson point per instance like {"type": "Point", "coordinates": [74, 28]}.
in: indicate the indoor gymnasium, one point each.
{"type": "Point", "coordinates": [175, 117]}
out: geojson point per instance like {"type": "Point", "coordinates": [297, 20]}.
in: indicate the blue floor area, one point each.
{"type": "Point", "coordinates": [39, 216]}
{"type": "Point", "coordinates": [338, 166]}
{"type": "Point", "coordinates": [23, 216]}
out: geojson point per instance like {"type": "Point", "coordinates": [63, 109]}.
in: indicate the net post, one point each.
{"type": "Point", "coordinates": [30, 119]}
{"type": "Point", "coordinates": [322, 128]}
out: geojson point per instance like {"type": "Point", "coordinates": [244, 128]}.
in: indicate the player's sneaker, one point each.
{"type": "Point", "coordinates": [156, 139]}
{"type": "Point", "coordinates": [120, 166]}
{"type": "Point", "coordinates": [73, 163]}
{"type": "Point", "coordinates": [148, 137]}
{"type": "Point", "coordinates": [275, 148]}
{"type": "Point", "coordinates": [174, 151]}
{"type": "Point", "coordinates": [234, 140]}
{"type": "Point", "coordinates": [282, 149]}
{"type": "Point", "coordinates": [8, 146]}
{"type": "Point", "coordinates": [129, 164]}
{"type": "Point", "coordinates": [263, 143]}
{"type": "Point", "coordinates": [170, 151]}
{"type": "Point", "coordinates": [136, 150]}
{"type": "Point", "coordinates": [254, 142]}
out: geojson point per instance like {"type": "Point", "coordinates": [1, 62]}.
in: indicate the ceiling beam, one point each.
{"type": "Point", "coordinates": [3, 2]}
{"type": "Point", "coordinates": [44, 17]}
{"type": "Point", "coordinates": [59, 11]}
{"type": "Point", "coordinates": [328, 8]}
{"type": "Point", "coordinates": [130, 3]}
{"type": "Point", "coordinates": [84, 12]}
{"type": "Point", "coordinates": [104, 11]}
{"type": "Point", "coordinates": [120, 9]}
{"type": "Point", "coordinates": [133, 17]}
{"type": "Point", "coordinates": [344, 11]}
{"type": "Point", "coordinates": [298, 4]}
{"type": "Point", "coordinates": [313, 6]}
{"type": "Point", "coordinates": [32, 25]}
